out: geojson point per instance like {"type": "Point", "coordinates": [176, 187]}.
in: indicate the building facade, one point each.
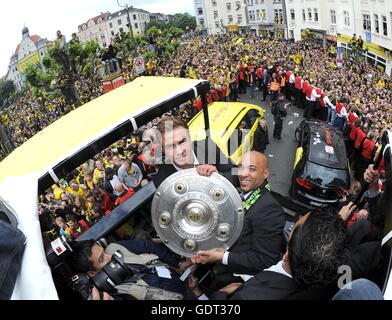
{"type": "Point", "coordinates": [30, 50]}
{"type": "Point", "coordinates": [95, 29]}
{"type": "Point", "coordinates": [118, 21]}
{"type": "Point", "coordinates": [339, 20]}
{"type": "Point", "coordinates": [201, 17]}
{"type": "Point", "coordinates": [106, 26]}
{"type": "Point", "coordinates": [266, 16]}
{"type": "Point", "coordinates": [221, 16]}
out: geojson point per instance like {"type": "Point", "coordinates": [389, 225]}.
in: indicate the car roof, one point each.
{"type": "Point", "coordinates": [224, 118]}
{"type": "Point", "coordinates": [326, 145]}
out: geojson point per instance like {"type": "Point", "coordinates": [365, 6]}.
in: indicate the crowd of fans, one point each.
{"type": "Point", "coordinates": [28, 115]}
{"type": "Point", "coordinates": [355, 97]}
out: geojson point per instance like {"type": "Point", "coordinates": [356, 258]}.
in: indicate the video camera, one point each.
{"type": "Point", "coordinates": [113, 273]}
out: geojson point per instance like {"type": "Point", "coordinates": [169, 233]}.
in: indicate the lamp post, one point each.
{"type": "Point", "coordinates": [129, 19]}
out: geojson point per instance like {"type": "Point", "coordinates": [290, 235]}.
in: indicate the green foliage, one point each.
{"type": "Point", "coordinates": [148, 55]}
{"type": "Point", "coordinates": [183, 21]}
{"type": "Point", "coordinates": [37, 78]}
{"type": "Point", "coordinates": [7, 88]}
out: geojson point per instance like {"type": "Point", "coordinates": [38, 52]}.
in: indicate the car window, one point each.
{"type": "Point", "coordinates": [243, 129]}
{"type": "Point", "coordinates": [324, 176]}
{"type": "Point", "coordinates": [305, 136]}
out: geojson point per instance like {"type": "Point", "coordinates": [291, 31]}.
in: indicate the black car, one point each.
{"type": "Point", "coordinates": [321, 170]}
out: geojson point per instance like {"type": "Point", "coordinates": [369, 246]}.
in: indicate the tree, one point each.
{"type": "Point", "coordinates": [58, 74]}
{"type": "Point", "coordinates": [183, 21]}
{"type": "Point", "coordinates": [7, 88]}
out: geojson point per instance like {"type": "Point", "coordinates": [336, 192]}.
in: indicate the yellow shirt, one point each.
{"type": "Point", "coordinates": [81, 192]}
{"type": "Point", "coordinates": [98, 176]}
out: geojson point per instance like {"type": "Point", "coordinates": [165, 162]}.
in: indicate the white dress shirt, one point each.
{"type": "Point", "coordinates": [328, 103]}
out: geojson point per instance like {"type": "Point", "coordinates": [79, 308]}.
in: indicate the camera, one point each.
{"type": "Point", "coordinates": [113, 273]}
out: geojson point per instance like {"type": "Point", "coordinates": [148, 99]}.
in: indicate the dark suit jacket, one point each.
{"type": "Point", "coordinates": [261, 242]}
{"type": "Point", "coordinates": [212, 156]}
{"type": "Point", "coordinates": [260, 139]}
{"type": "Point", "coordinates": [363, 249]}
{"type": "Point", "coordinates": [270, 285]}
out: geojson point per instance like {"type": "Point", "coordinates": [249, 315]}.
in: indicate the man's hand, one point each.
{"type": "Point", "coordinates": [371, 176]}
{"type": "Point", "coordinates": [96, 296]}
{"type": "Point", "coordinates": [208, 256]}
{"type": "Point", "coordinates": [229, 289]}
{"type": "Point", "coordinates": [346, 211]}
{"type": "Point", "coordinates": [206, 170]}
{"type": "Point", "coordinates": [193, 285]}
{"type": "Point", "coordinates": [185, 264]}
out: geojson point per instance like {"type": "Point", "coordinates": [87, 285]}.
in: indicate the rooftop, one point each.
{"type": "Point", "coordinates": [103, 16]}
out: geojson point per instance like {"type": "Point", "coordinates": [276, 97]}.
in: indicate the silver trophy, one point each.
{"type": "Point", "coordinates": [191, 212]}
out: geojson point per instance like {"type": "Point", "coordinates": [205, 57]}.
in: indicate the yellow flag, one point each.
{"type": "Point", "coordinates": [239, 41]}
{"type": "Point", "coordinates": [192, 73]}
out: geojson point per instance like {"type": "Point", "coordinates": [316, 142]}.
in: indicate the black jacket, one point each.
{"type": "Point", "coordinates": [260, 139]}
{"type": "Point", "coordinates": [281, 112]}
{"type": "Point", "coordinates": [260, 245]}
{"type": "Point", "coordinates": [270, 285]}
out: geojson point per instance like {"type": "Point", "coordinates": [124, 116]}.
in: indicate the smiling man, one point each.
{"type": "Point", "coordinates": [178, 149]}
{"type": "Point", "coordinates": [261, 242]}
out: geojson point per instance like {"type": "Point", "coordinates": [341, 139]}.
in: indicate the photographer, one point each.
{"type": "Point", "coordinates": [279, 112]}
{"type": "Point", "coordinates": [90, 258]}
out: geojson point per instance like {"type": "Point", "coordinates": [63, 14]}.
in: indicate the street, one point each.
{"type": "Point", "coordinates": [281, 155]}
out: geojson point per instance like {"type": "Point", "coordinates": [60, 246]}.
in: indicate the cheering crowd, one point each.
{"type": "Point", "coordinates": [31, 114]}
{"type": "Point", "coordinates": [354, 97]}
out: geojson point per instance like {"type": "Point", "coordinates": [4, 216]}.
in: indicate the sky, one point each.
{"type": "Point", "coordinates": [45, 17]}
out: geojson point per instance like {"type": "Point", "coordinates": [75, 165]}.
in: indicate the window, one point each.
{"type": "Point", "coordinates": [119, 22]}
{"type": "Point", "coordinates": [251, 15]}
{"type": "Point", "coordinates": [136, 26]}
{"type": "Point", "coordinates": [292, 14]}
{"type": "Point", "coordinates": [250, 2]}
{"type": "Point", "coordinates": [112, 33]}
{"type": "Point", "coordinates": [309, 14]}
{"type": "Point", "coordinates": [216, 24]}
{"type": "Point", "coordinates": [384, 25]}
{"type": "Point", "coordinates": [346, 16]}
{"type": "Point", "coordinates": [103, 36]}
{"type": "Point", "coordinates": [134, 17]}
{"type": "Point", "coordinates": [366, 22]}
{"type": "Point", "coordinates": [213, 2]}
{"type": "Point", "coordinates": [216, 14]}
{"type": "Point", "coordinates": [278, 16]}
{"type": "Point", "coordinates": [376, 24]}
{"type": "Point", "coordinates": [315, 14]}
{"type": "Point", "coordinates": [230, 18]}
{"type": "Point", "coordinates": [333, 16]}
{"type": "Point", "coordinates": [201, 22]}
{"type": "Point", "coordinates": [257, 14]}
{"type": "Point", "coordinates": [256, 1]}
{"type": "Point", "coordinates": [228, 6]}
{"type": "Point", "coordinates": [303, 15]}
{"type": "Point", "coordinates": [111, 25]}
{"type": "Point", "coordinates": [238, 5]}
{"type": "Point", "coordinates": [200, 11]}
{"type": "Point", "coordinates": [263, 14]}
{"type": "Point", "coordinates": [239, 17]}
{"type": "Point", "coordinates": [121, 30]}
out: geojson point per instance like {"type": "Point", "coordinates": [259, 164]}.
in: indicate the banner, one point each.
{"type": "Point", "coordinates": [30, 59]}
